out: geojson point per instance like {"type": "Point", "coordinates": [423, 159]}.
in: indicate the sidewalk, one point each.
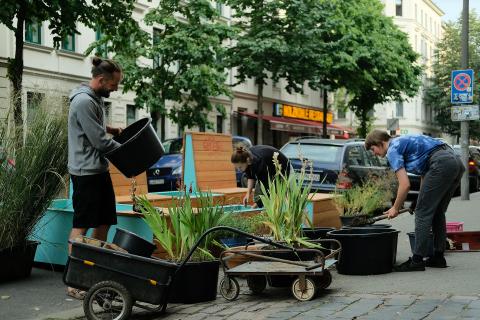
{"type": "Point", "coordinates": [451, 293]}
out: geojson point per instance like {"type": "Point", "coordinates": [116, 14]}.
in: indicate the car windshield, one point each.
{"type": "Point", "coordinates": [315, 152]}
{"type": "Point", "coordinates": [173, 146]}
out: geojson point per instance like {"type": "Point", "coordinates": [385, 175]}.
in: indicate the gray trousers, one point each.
{"type": "Point", "coordinates": [443, 176]}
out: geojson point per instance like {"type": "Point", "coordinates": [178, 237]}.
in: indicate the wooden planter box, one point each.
{"type": "Point", "coordinates": [323, 211]}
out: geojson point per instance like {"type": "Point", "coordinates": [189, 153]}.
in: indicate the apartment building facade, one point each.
{"type": "Point", "coordinates": [421, 21]}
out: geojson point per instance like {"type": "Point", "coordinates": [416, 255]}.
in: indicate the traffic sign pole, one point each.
{"type": "Point", "coordinates": [464, 128]}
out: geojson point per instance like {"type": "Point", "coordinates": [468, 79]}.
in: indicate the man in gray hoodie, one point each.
{"type": "Point", "coordinates": [93, 196]}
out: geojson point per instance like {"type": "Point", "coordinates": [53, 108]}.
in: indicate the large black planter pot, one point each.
{"type": "Point", "coordinates": [195, 282]}
{"type": "Point", "coordinates": [133, 243]}
{"type": "Point", "coordinates": [375, 225]}
{"type": "Point", "coordinates": [16, 263]}
{"type": "Point", "coordinates": [366, 251]}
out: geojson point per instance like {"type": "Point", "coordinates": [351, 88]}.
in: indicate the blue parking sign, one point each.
{"type": "Point", "coordinates": [462, 86]}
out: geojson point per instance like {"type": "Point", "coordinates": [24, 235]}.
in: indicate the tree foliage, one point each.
{"type": "Point", "coordinates": [448, 58]}
{"type": "Point", "coordinates": [386, 66]}
{"type": "Point", "coordinates": [183, 61]}
{"type": "Point", "coordinates": [62, 17]}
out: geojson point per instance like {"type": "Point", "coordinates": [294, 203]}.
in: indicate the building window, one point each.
{"type": "Point", "coordinates": [68, 43]}
{"type": "Point", "coordinates": [202, 127]}
{"type": "Point", "coordinates": [33, 32]}
{"type": "Point", "coordinates": [131, 114]}
{"type": "Point", "coordinates": [219, 124]}
{"type": "Point", "coordinates": [341, 114]}
{"type": "Point", "coordinates": [155, 41]}
{"type": "Point", "coordinates": [34, 99]}
{"type": "Point", "coordinates": [219, 8]}
{"type": "Point", "coordinates": [399, 111]}
{"type": "Point", "coordinates": [102, 49]}
{"type": "Point", "coordinates": [398, 7]}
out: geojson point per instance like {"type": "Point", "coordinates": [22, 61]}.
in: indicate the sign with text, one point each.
{"type": "Point", "coordinates": [465, 113]}
{"type": "Point", "coordinates": [285, 110]}
{"type": "Point", "coordinates": [462, 86]}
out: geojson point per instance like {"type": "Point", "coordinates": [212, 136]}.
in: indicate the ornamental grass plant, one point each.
{"type": "Point", "coordinates": [178, 231]}
{"type": "Point", "coordinates": [285, 205]}
{"type": "Point", "coordinates": [33, 168]}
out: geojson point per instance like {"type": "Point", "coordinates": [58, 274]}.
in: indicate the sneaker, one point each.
{"type": "Point", "coordinates": [436, 262]}
{"type": "Point", "coordinates": [410, 265]}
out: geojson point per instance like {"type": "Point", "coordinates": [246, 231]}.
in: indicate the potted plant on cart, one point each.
{"type": "Point", "coordinates": [365, 200]}
{"type": "Point", "coordinates": [177, 232]}
{"type": "Point", "coordinates": [31, 175]}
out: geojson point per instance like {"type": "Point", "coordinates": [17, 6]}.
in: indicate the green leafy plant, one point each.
{"type": "Point", "coordinates": [179, 230]}
{"type": "Point", "coordinates": [368, 197]}
{"type": "Point", "coordinates": [285, 205]}
{"type": "Point", "coordinates": [250, 224]}
{"type": "Point", "coordinates": [37, 176]}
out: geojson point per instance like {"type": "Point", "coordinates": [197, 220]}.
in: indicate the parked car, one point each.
{"type": "Point", "coordinates": [473, 173]}
{"type": "Point", "coordinates": [336, 164]}
{"type": "Point", "coordinates": [166, 173]}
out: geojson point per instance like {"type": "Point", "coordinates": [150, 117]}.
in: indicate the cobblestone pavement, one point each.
{"type": "Point", "coordinates": [278, 303]}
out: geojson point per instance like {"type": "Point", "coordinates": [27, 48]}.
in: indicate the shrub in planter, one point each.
{"type": "Point", "coordinates": [33, 166]}
{"type": "Point", "coordinates": [177, 233]}
{"type": "Point", "coordinates": [365, 200]}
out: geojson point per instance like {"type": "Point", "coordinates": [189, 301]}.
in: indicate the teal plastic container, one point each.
{"type": "Point", "coordinates": [53, 231]}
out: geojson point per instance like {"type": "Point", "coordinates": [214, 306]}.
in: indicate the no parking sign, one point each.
{"type": "Point", "coordinates": [462, 86]}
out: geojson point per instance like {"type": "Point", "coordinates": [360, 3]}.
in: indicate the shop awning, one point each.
{"type": "Point", "coordinates": [300, 125]}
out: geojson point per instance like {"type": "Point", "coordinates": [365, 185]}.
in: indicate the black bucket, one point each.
{"type": "Point", "coordinates": [366, 251]}
{"type": "Point", "coordinates": [133, 243]}
{"type": "Point", "coordinates": [379, 226]}
{"type": "Point", "coordinates": [140, 148]}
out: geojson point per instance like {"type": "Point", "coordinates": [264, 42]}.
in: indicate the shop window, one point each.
{"type": "Point", "coordinates": [33, 32]}
{"type": "Point", "coordinates": [219, 124]}
{"type": "Point", "coordinates": [68, 43]}
{"type": "Point", "coordinates": [131, 114]}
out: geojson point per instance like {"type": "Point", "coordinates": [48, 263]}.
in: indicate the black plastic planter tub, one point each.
{"type": "Point", "coordinates": [380, 226]}
{"type": "Point", "coordinates": [133, 243]}
{"type": "Point", "coordinates": [316, 233]}
{"type": "Point", "coordinates": [140, 148]}
{"type": "Point", "coordinates": [366, 251]}
{"type": "Point", "coordinates": [17, 262]}
{"type": "Point", "coordinates": [195, 282]}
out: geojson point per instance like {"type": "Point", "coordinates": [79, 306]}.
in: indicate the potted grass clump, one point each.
{"type": "Point", "coordinates": [33, 164]}
{"type": "Point", "coordinates": [365, 200]}
{"type": "Point", "coordinates": [177, 233]}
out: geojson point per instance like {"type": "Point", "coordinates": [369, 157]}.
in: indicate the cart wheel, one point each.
{"type": "Point", "coordinates": [307, 293]}
{"type": "Point", "coordinates": [229, 288]}
{"type": "Point", "coordinates": [324, 281]}
{"type": "Point", "coordinates": [108, 300]}
{"type": "Point", "coordinates": [256, 284]}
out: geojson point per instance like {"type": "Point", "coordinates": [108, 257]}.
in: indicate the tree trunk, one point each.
{"type": "Point", "coordinates": [15, 69]}
{"type": "Point", "coordinates": [325, 111]}
{"type": "Point", "coordinates": [260, 112]}
{"type": "Point", "coordinates": [363, 123]}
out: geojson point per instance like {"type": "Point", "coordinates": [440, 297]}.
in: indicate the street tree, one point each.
{"type": "Point", "coordinates": [62, 17]}
{"type": "Point", "coordinates": [276, 41]}
{"type": "Point", "coordinates": [447, 59]}
{"type": "Point", "coordinates": [182, 61]}
{"type": "Point", "coordinates": [386, 66]}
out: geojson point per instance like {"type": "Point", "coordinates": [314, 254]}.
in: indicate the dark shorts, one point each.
{"type": "Point", "coordinates": [93, 201]}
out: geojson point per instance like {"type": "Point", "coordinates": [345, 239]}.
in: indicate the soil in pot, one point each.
{"type": "Point", "coordinates": [347, 220]}
{"type": "Point", "coordinates": [195, 282]}
{"type": "Point", "coordinates": [17, 262]}
{"type": "Point", "coordinates": [366, 251]}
